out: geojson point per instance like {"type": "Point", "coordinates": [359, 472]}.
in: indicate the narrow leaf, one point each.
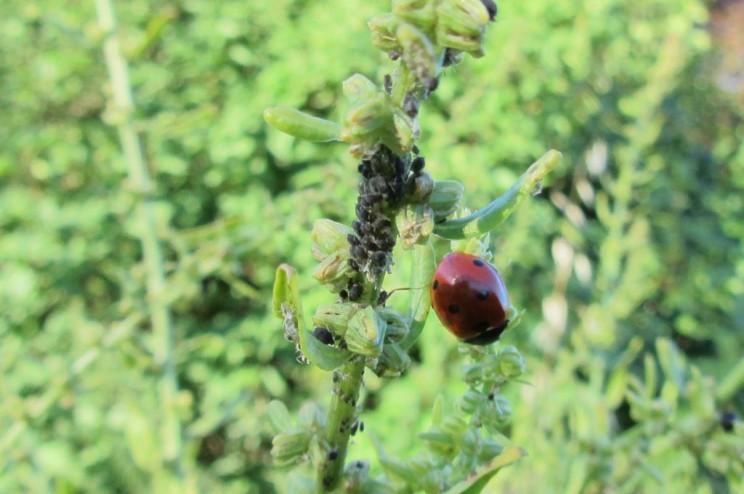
{"type": "Point", "coordinates": [486, 219]}
{"type": "Point", "coordinates": [301, 125]}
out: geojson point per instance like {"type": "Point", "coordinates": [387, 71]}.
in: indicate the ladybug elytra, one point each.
{"type": "Point", "coordinates": [470, 298]}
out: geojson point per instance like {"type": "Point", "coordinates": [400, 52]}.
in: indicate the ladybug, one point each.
{"type": "Point", "coordinates": [470, 298]}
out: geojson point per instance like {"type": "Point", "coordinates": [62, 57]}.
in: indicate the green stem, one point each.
{"type": "Point", "coordinates": [341, 416]}
{"type": "Point", "coordinates": [732, 383]}
{"type": "Point", "coordinates": [170, 424]}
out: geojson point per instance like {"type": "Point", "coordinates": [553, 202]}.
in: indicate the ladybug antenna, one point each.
{"type": "Point", "coordinates": [385, 295]}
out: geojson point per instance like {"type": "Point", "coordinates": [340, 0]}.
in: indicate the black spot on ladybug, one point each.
{"type": "Point", "coordinates": [435, 285]}
{"type": "Point", "coordinates": [453, 309]}
{"type": "Point", "coordinates": [479, 263]}
{"type": "Point", "coordinates": [482, 295]}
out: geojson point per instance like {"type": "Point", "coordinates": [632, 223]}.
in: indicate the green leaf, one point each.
{"type": "Point", "coordinates": [477, 481]}
{"type": "Point", "coordinates": [301, 125]}
{"type": "Point", "coordinates": [488, 218]}
{"type": "Point", "coordinates": [287, 306]}
{"type": "Point", "coordinates": [419, 301]}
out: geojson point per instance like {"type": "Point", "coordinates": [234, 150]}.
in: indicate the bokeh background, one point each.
{"type": "Point", "coordinates": [629, 266]}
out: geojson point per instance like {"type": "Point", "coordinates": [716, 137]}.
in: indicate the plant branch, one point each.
{"type": "Point", "coordinates": [170, 424]}
{"type": "Point", "coordinates": [341, 417]}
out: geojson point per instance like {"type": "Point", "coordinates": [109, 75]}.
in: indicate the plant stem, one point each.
{"type": "Point", "coordinates": [170, 424]}
{"type": "Point", "coordinates": [731, 383]}
{"type": "Point", "coordinates": [341, 416]}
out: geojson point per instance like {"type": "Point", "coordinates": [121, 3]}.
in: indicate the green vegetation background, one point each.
{"type": "Point", "coordinates": [639, 236]}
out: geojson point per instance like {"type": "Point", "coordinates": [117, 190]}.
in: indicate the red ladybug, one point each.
{"type": "Point", "coordinates": [470, 298]}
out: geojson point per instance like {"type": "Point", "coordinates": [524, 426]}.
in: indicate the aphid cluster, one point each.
{"type": "Point", "coordinates": [386, 178]}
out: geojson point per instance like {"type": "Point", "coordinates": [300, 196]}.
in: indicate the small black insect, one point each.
{"type": "Point", "coordinates": [356, 290]}
{"type": "Point", "coordinates": [323, 335]}
{"type": "Point", "coordinates": [728, 419]}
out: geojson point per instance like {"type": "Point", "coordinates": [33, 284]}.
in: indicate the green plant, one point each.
{"type": "Point", "coordinates": [397, 201]}
{"type": "Point", "coordinates": [638, 243]}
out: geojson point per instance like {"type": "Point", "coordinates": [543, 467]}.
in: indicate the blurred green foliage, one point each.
{"type": "Point", "coordinates": [629, 266]}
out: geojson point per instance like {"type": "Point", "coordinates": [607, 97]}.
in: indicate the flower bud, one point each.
{"type": "Point", "coordinates": [469, 401]}
{"type": "Point", "coordinates": [328, 237]}
{"type": "Point", "coordinates": [334, 271]}
{"type": "Point", "coordinates": [397, 323]}
{"type": "Point", "coordinates": [289, 447]}
{"type": "Point", "coordinates": [453, 425]}
{"type": "Point", "coordinates": [420, 13]}
{"type": "Point", "coordinates": [445, 198]}
{"type": "Point", "coordinates": [415, 225]}
{"type": "Point", "coordinates": [393, 361]}
{"type": "Point", "coordinates": [498, 408]}
{"type": "Point", "coordinates": [418, 54]}
{"type": "Point", "coordinates": [365, 118]}
{"type": "Point", "coordinates": [358, 88]}
{"type": "Point", "coordinates": [335, 317]}
{"type": "Point", "coordinates": [461, 24]}
{"type": "Point", "coordinates": [365, 333]}
{"type": "Point", "coordinates": [490, 448]}
{"type": "Point", "coordinates": [383, 29]}
{"type": "Point", "coordinates": [406, 132]}
{"type": "Point", "coordinates": [470, 443]}
{"type": "Point", "coordinates": [510, 362]}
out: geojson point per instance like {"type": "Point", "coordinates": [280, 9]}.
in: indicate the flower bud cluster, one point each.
{"type": "Point", "coordinates": [372, 118]}
{"type": "Point", "coordinates": [332, 250]}
{"type": "Point", "coordinates": [373, 333]}
{"type": "Point", "coordinates": [430, 34]}
{"type": "Point", "coordinates": [459, 441]}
